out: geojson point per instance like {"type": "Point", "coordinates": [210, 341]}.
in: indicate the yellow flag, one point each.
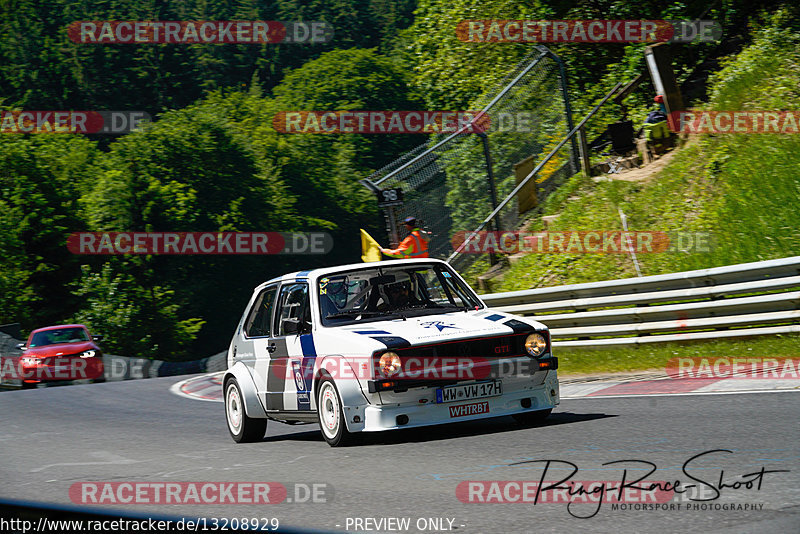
{"type": "Point", "coordinates": [370, 249]}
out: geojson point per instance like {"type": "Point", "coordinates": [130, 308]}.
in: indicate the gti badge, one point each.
{"type": "Point", "coordinates": [438, 324]}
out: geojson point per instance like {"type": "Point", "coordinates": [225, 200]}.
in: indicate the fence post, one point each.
{"type": "Point", "coordinates": [487, 154]}
{"type": "Point", "coordinates": [584, 152]}
{"type": "Point", "coordinates": [567, 107]}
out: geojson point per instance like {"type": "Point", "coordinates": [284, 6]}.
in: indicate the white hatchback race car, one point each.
{"type": "Point", "coordinates": [382, 346]}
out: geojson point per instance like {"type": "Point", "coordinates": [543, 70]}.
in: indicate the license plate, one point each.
{"type": "Point", "coordinates": [469, 391]}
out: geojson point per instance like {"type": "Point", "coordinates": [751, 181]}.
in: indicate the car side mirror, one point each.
{"type": "Point", "coordinates": [21, 346]}
{"type": "Point", "coordinates": [294, 326]}
{"type": "Point", "coordinates": [98, 337]}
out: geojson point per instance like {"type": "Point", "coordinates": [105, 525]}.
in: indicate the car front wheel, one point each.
{"type": "Point", "coordinates": [331, 415]}
{"type": "Point", "coordinates": [243, 429]}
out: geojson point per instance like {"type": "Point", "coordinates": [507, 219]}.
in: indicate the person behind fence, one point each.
{"type": "Point", "coordinates": [415, 245]}
{"type": "Point", "coordinates": [655, 127]}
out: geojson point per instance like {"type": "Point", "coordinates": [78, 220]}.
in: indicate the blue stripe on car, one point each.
{"type": "Point", "coordinates": [370, 332]}
{"type": "Point", "coordinates": [393, 342]}
{"type": "Point", "coordinates": [307, 370]}
{"type": "Point", "coordinates": [307, 344]}
{"type": "Point", "coordinates": [494, 317]}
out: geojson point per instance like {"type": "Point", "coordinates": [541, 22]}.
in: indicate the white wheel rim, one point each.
{"type": "Point", "coordinates": [329, 410]}
{"type": "Point", "coordinates": [233, 407]}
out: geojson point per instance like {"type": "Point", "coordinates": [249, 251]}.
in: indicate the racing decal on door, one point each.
{"type": "Point", "coordinates": [276, 375]}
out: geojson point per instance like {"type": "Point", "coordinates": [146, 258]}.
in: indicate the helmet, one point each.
{"type": "Point", "coordinates": [397, 287]}
{"type": "Point", "coordinates": [411, 221]}
{"type": "Point", "coordinates": [659, 99]}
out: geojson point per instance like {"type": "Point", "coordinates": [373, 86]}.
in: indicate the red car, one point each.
{"type": "Point", "coordinates": [59, 353]}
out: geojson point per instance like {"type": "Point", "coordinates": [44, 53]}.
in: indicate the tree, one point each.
{"type": "Point", "coordinates": [40, 181]}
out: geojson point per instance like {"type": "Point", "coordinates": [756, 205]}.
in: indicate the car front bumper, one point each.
{"type": "Point", "coordinates": [543, 395]}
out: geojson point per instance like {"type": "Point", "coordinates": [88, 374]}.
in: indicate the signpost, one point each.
{"type": "Point", "coordinates": [390, 199]}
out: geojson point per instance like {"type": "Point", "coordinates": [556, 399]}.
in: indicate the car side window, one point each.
{"type": "Point", "coordinates": [258, 323]}
{"type": "Point", "coordinates": [292, 307]}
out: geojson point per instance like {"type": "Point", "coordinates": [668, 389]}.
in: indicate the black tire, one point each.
{"type": "Point", "coordinates": [532, 418]}
{"type": "Point", "coordinates": [330, 415]}
{"type": "Point", "coordinates": [29, 385]}
{"type": "Point", "coordinates": [243, 429]}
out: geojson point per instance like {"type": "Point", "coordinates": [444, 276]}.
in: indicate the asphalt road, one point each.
{"type": "Point", "coordinates": [138, 431]}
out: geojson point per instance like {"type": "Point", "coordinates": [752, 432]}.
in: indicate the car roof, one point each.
{"type": "Point", "coordinates": [58, 327]}
{"type": "Point", "coordinates": [313, 274]}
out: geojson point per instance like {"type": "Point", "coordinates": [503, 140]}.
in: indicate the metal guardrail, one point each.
{"type": "Point", "coordinates": [732, 301]}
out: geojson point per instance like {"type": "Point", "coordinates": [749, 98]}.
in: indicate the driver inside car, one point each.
{"type": "Point", "coordinates": [398, 296]}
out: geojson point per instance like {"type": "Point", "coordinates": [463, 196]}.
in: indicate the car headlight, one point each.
{"type": "Point", "coordinates": [88, 353]}
{"type": "Point", "coordinates": [30, 361]}
{"type": "Point", "coordinates": [535, 344]}
{"type": "Point", "coordinates": [389, 364]}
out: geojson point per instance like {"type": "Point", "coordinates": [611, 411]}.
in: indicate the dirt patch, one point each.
{"type": "Point", "coordinates": [642, 174]}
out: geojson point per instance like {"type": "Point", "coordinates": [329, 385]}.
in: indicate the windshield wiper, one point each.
{"type": "Point", "coordinates": [464, 308]}
{"type": "Point", "coordinates": [353, 314]}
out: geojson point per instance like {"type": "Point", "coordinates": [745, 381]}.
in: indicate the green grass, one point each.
{"type": "Point", "coordinates": [743, 189]}
{"type": "Point", "coordinates": [656, 356]}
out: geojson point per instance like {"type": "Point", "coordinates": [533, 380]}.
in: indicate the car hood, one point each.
{"type": "Point", "coordinates": [429, 329]}
{"type": "Point", "coordinates": [60, 349]}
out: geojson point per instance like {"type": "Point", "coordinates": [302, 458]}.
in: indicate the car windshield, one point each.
{"type": "Point", "coordinates": [61, 335]}
{"type": "Point", "coordinates": [377, 293]}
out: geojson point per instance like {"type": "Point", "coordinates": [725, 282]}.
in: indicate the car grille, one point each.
{"type": "Point", "coordinates": [483, 350]}
{"type": "Point", "coordinates": [511, 345]}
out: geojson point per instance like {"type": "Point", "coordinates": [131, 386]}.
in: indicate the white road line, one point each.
{"type": "Point", "coordinates": [690, 394]}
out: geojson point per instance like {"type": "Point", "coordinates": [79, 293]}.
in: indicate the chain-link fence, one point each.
{"type": "Point", "coordinates": [452, 182]}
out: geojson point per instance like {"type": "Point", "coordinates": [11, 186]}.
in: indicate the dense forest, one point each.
{"type": "Point", "coordinates": [211, 160]}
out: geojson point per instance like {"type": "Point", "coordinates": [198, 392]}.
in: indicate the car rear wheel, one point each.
{"type": "Point", "coordinates": [532, 418]}
{"type": "Point", "coordinates": [243, 429]}
{"type": "Point", "coordinates": [331, 415]}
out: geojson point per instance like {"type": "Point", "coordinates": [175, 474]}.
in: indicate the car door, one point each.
{"type": "Point", "coordinates": [292, 351]}
{"type": "Point", "coordinates": [252, 346]}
